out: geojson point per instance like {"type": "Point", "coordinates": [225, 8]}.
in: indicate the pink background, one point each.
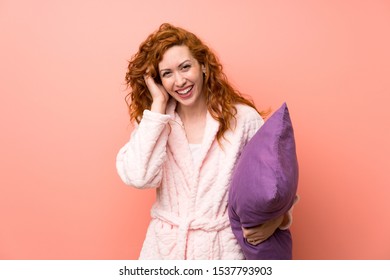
{"type": "Point", "coordinates": [63, 117]}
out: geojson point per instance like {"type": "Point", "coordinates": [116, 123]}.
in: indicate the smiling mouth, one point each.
{"type": "Point", "coordinates": [185, 91]}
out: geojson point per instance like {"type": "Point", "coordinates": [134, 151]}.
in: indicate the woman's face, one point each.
{"type": "Point", "coordinates": [182, 76]}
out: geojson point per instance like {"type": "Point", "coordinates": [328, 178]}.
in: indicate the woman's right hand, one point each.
{"type": "Point", "coordinates": [256, 235]}
{"type": "Point", "coordinates": [159, 94]}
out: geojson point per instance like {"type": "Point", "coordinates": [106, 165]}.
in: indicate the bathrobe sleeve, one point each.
{"type": "Point", "coordinates": [139, 163]}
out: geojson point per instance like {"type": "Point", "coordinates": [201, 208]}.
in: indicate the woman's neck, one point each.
{"type": "Point", "coordinates": [194, 121]}
{"type": "Point", "coordinates": [192, 113]}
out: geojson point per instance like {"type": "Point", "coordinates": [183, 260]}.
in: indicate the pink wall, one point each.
{"type": "Point", "coordinates": [63, 117]}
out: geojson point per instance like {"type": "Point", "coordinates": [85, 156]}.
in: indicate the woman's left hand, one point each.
{"type": "Point", "coordinates": [256, 235]}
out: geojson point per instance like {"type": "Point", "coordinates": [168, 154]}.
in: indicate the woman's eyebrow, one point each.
{"type": "Point", "coordinates": [180, 65]}
{"type": "Point", "coordinates": [184, 62]}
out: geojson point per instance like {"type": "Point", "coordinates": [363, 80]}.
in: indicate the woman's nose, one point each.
{"type": "Point", "coordinates": [179, 80]}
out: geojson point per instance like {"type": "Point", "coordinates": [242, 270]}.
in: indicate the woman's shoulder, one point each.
{"type": "Point", "coordinates": [247, 113]}
{"type": "Point", "coordinates": [247, 121]}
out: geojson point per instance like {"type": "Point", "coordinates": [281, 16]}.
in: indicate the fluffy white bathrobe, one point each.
{"type": "Point", "coordinates": [189, 217]}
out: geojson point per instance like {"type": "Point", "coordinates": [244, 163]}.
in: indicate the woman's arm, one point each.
{"type": "Point", "coordinates": [139, 162]}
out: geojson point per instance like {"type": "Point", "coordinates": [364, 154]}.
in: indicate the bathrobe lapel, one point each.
{"type": "Point", "coordinates": [179, 145]}
{"type": "Point", "coordinates": [209, 137]}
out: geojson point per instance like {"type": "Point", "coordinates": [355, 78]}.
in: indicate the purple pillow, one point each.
{"type": "Point", "coordinates": [264, 186]}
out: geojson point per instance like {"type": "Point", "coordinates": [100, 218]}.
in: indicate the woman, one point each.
{"type": "Point", "coordinates": [191, 126]}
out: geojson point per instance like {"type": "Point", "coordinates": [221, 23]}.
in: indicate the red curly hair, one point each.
{"type": "Point", "coordinates": [220, 95]}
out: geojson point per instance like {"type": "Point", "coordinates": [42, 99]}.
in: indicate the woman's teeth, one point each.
{"type": "Point", "coordinates": [185, 91]}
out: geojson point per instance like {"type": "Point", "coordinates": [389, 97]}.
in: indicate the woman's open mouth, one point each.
{"type": "Point", "coordinates": [186, 92]}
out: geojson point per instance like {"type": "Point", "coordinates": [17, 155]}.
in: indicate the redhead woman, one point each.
{"type": "Point", "coordinates": [190, 127]}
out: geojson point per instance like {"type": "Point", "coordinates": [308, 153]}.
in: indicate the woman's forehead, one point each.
{"type": "Point", "coordinates": [174, 56]}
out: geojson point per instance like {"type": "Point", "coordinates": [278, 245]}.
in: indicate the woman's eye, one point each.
{"type": "Point", "coordinates": [166, 74]}
{"type": "Point", "coordinates": [186, 67]}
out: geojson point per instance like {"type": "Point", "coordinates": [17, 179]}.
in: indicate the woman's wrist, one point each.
{"type": "Point", "coordinates": [158, 107]}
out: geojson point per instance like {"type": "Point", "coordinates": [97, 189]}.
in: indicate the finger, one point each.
{"type": "Point", "coordinates": [147, 79]}
{"type": "Point", "coordinates": [162, 88]}
{"type": "Point", "coordinates": [254, 242]}
{"type": "Point", "coordinates": [247, 232]}
{"type": "Point", "coordinates": [150, 83]}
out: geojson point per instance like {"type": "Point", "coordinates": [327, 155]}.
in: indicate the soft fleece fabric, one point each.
{"type": "Point", "coordinates": [190, 217]}
{"type": "Point", "coordinates": [264, 185]}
